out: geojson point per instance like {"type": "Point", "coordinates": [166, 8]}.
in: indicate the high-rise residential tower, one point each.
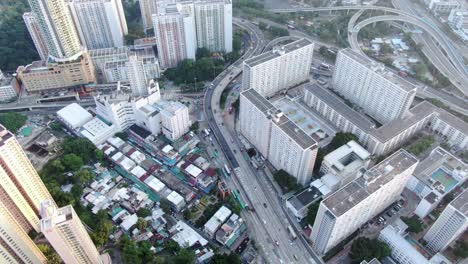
{"type": "Point", "coordinates": [15, 244]}
{"type": "Point", "coordinates": [174, 28]}
{"type": "Point", "coordinates": [21, 188]}
{"type": "Point", "coordinates": [65, 232]}
{"type": "Point", "coordinates": [344, 211]}
{"type": "Point", "coordinates": [100, 23]}
{"type": "Point", "coordinates": [136, 76]}
{"type": "Point", "coordinates": [36, 35]}
{"type": "Point", "coordinates": [213, 21]}
{"type": "Point", "coordinates": [450, 225]}
{"type": "Point", "coordinates": [383, 95]}
{"type": "Point", "coordinates": [283, 67]}
{"type": "Point", "coordinates": [148, 8]}
{"type": "Point", "coordinates": [57, 28]}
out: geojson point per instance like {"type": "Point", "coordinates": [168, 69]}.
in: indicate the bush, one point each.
{"type": "Point", "coordinates": [286, 181]}
{"type": "Point", "coordinates": [461, 249]}
{"type": "Point", "coordinates": [415, 225]}
{"type": "Point", "coordinates": [422, 144]}
{"type": "Point", "coordinates": [312, 213]}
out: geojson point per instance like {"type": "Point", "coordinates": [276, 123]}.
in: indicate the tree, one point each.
{"type": "Point", "coordinates": [262, 25]}
{"type": "Point", "coordinates": [56, 126]}
{"type": "Point", "coordinates": [461, 249]}
{"type": "Point", "coordinates": [13, 121]}
{"type": "Point", "coordinates": [278, 32]}
{"type": "Point", "coordinates": [122, 135]}
{"type": "Point", "coordinates": [286, 181]}
{"type": "Point", "coordinates": [72, 162]}
{"type": "Point", "coordinates": [165, 206]}
{"type": "Point", "coordinates": [142, 224]}
{"type": "Point", "coordinates": [81, 147]}
{"type": "Point", "coordinates": [415, 225]}
{"type": "Point", "coordinates": [99, 155]}
{"type": "Point", "coordinates": [147, 255]}
{"type": "Point", "coordinates": [386, 48]}
{"type": "Point", "coordinates": [130, 252]}
{"type": "Point", "coordinates": [312, 213]}
{"type": "Point", "coordinates": [232, 258]}
{"type": "Point", "coordinates": [202, 53]}
{"type": "Point", "coordinates": [251, 152]}
{"type": "Point", "coordinates": [50, 254]}
{"type": "Point", "coordinates": [101, 233]}
{"type": "Point", "coordinates": [340, 139]}
{"type": "Point", "coordinates": [195, 126]}
{"type": "Point", "coordinates": [185, 256]}
{"type": "Point", "coordinates": [172, 246]}
{"type": "Point", "coordinates": [365, 249]}
{"type": "Point", "coordinates": [84, 176]}
{"type": "Point", "coordinates": [143, 212]}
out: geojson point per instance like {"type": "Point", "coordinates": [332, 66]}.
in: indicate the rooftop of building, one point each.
{"type": "Point", "coordinates": [373, 179]}
{"type": "Point", "coordinates": [74, 114]}
{"type": "Point", "coordinates": [441, 170]}
{"type": "Point", "coordinates": [379, 68]}
{"type": "Point", "coordinates": [282, 121]}
{"type": "Point", "coordinates": [6, 79]}
{"type": "Point", "coordinates": [96, 53]}
{"type": "Point", "coordinates": [337, 156]}
{"type": "Point", "coordinates": [461, 202]}
{"type": "Point", "coordinates": [278, 52]}
{"type": "Point", "coordinates": [305, 198]}
{"type": "Point", "coordinates": [338, 105]}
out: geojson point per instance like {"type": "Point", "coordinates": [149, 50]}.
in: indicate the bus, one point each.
{"type": "Point", "coordinates": [226, 169]}
{"type": "Point", "coordinates": [291, 232]}
{"type": "Point", "coordinates": [291, 26]}
{"type": "Point", "coordinates": [206, 131]}
{"type": "Point", "coordinates": [236, 194]}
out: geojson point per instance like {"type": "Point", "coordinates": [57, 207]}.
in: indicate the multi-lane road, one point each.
{"type": "Point", "coordinates": [268, 223]}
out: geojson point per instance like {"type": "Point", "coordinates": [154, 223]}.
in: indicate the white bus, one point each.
{"type": "Point", "coordinates": [291, 232]}
{"type": "Point", "coordinates": [226, 169]}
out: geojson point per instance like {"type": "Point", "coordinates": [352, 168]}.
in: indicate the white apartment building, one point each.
{"type": "Point", "coordinates": [67, 235]}
{"type": "Point", "coordinates": [174, 28]}
{"type": "Point", "coordinates": [15, 244]}
{"type": "Point", "coordinates": [386, 138]}
{"type": "Point", "coordinates": [452, 223]}
{"type": "Point", "coordinates": [343, 212]}
{"type": "Point", "coordinates": [365, 82]}
{"type": "Point", "coordinates": [216, 221]}
{"type": "Point", "coordinates": [439, 7]}
{"type": "Point", "coordinates": [100, 23]}
{"type": "Point", "coordinates": [175, 120]}
{"type": "Point", "coordinates": [276, 137]}
{"type": "Point", "coordinates": [213, 21]}
{"type": "Point", "coordinates": [346, 161]}
{"type": "Point", "coordinates": [148, 8]}
{"type": "Point", "coordinates": [458, 21]}
{"type": "Point", "coordinates": [8, 87]}
{"type": "Point", "coordinates": [57, 28]}
{"type": "Point", "coordinates": [36, 35]}
{"type": "Point", "coordinates": [282, 68]}
{"type": "Point", "coordinates": [21, 188]}
{"type": "Point", "coordinates": [136, 76]}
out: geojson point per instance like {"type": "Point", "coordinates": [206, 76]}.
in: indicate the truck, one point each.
{"type": "Point", "coordinates": [206, 132]}
{"type": "Point", "coordinates": [291, 26]}
{"type": "Point", "coordinates": [324, 66]}
{"type": "Point", "coordinates": [291, 232]}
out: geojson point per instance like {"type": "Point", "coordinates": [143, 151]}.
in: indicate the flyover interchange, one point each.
{"type": "Point", "coordinates": [452, 65]}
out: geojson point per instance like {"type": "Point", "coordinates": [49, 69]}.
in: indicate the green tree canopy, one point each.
{"type": "Point", "coordinates": [72, 162]}
{"type": "Point", "coordinates": [50, 254]}
{"type": "Point", "coordinates": [461, 249]}
{"type": "Point", "coordinates": [81, 147]}
{"type": "Point", "coordinates": [172, 246]}
{"type": "Point", "coordinates": [202, 53]}
{"type": "Point", "coordinates": [143, 212]}
{"type": "Point", "coordinates": [13, 121]}
{"type": "Point", "coordinates": [415, 225]}
{"type": "Point", "coordinates": [232, 258]}
{"type": "Point", "coordinates": [312, 213]}
{"type": "Point", "coordinates": [366, 249]}
{"type": "Point", "coordinates": [185, 256]}
{"type": "Point", "coordinates": [103, 229]}
{"type": "Point", "coordinates": [286, 181]}
{"type": "Point", "coordinates": [84, 176]}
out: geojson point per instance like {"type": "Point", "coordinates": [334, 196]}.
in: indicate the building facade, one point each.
{"type": "Point", "coordinates": [450, 225]}
{"type": "Point", "coordinates": [148, 8]}
{"type": "Point", "coordinates": [174, 28]}
{"type": "Point", "coordinates": [67, 235]}
{"type": "Point", "coordinates": [21, 188]}
{"type": "Point", "coordinates": [175, 121]}
{"type": "Point", "coordinates": [57, 29]}
{"type": "Point", "coordinates": [40, 76]}
{"type": "Point", "coordinates": [36, 35]}
{"type": "Point", "coordinates": [137, 76]}
{"type": "Point", "coordinates": [8, 87]}
{"type": "Point", "coordinates": [344, 211]}
{"type": "Point", "coordinates": [213, 22]}
{"type": "Point", "coordinates": [365, 82]}
{"type": "Point", "coordinates": [100, 23]}
{"type": "Point", "coordinates": [15, 244]}
{"type": "Point", "coordinates": [276, 137]}
{"type": "Point", "coordinates": [280, 69]}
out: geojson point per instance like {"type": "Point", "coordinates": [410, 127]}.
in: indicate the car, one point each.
{"type": "Point", "coordinates": [265, 205]}
{"type": "Point", "coordinates": [277, 243]}
{"type": "Point", "coordinates": [389, 214]}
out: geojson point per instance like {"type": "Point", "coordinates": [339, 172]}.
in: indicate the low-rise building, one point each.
{"type": "Point", "coordinates": [441, 7]}
{"type": "Point", "coordinates": [73, 116]}
{"type": "Point", "coordinates": [435, 177]}
{"type": "Point", "coordinates": [216, 221]}
{"type": "Point", "coordinates": [8, 87]}
{"type": "Point", "coordinates": [185, 236]}
{"type": "Point", "coordinates": [230, 231]}
{"type": "Point", "coordinates": [44, 76]}
{"type": "Point", "coordinates": [346, 161]}
{"type": "Point", "coordinates": [458, 21]}
{"type": "Point", "coordinates": [299, 203]}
